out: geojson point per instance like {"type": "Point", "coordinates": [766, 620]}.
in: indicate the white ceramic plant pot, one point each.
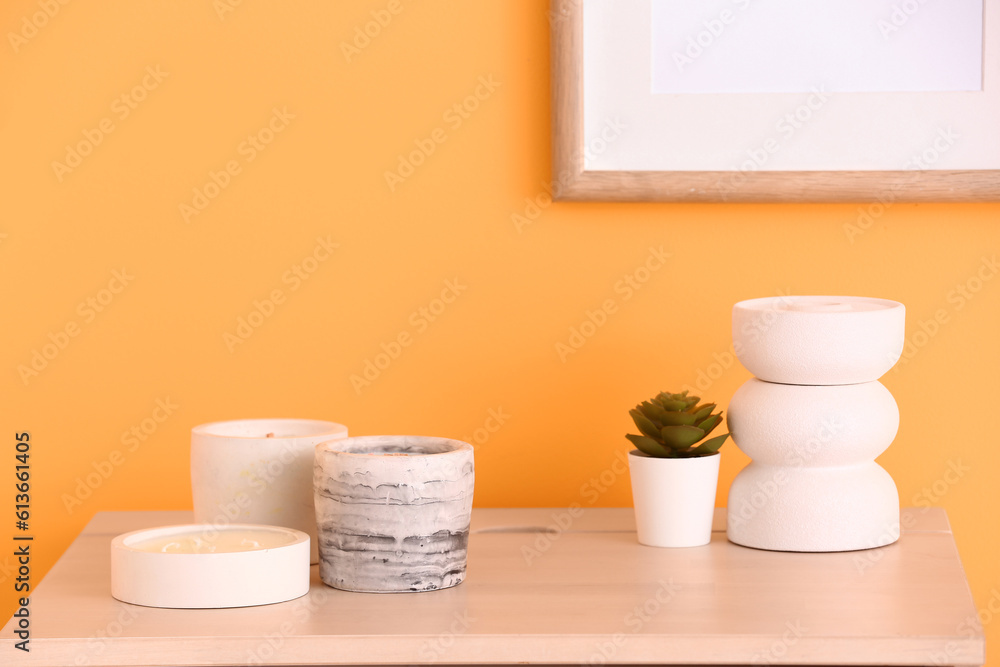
{"type": "Point", "coordinates": [241, 474]}
{"type": "Point", "coordinates": [674, 499]}
{"type": "Point", "coordinates": [393, 512]}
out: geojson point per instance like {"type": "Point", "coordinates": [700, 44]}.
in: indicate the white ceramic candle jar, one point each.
{"type": "Point", "coordinates": [393, 512]}
{"type": "Point", "coordinates": [201, 566]}
{"type": "Point", "coordinates": [258, 471]}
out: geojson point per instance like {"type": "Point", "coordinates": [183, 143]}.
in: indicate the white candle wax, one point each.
{"type": "Point", "coordinates": [209, 542]}
{"type": "Point", "coordinates": [820, 304]}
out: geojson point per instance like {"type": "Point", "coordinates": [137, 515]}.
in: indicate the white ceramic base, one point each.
{"type": "Point", "coordinates": [209, 580]}
{"type": "Point", "coordinates": [674, 499]}
{"type": "Point", "coordinates": [813, 484]}
{"type": "Point", "coordinates": [813, 509]}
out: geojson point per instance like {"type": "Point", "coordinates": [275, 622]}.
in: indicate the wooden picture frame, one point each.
{"type": "Point", "coordinates": [573, 181]}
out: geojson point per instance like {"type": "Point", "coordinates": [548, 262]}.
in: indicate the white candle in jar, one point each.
{"type": "Point", "coordinates": [258, 471]}
{"type": "Point", "coordinates": [199, 566]}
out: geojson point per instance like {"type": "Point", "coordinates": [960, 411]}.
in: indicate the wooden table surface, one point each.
{"type": "Point", "coordinates": [545, 586]}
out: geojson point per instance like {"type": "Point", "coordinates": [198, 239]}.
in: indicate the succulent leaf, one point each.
{"type": "Point", "coordinates": [680, 437]}
{"type": "Point", "coordinates": [677, 419]}
{"type": "Point", "coordinates": [673, 425]}
{"type": "Point", "coordinates": [710, 446]}
{"type": "Point", "coordinates": [648, 446]}
{"type": "Point", "coordinates": [702, 411]}
{"type": "Point", "coordinates": [653, 411]}
{"type": "Point", "coordinates": [644, 424]}
{"type": "Point", "coordinates": [709, 423]}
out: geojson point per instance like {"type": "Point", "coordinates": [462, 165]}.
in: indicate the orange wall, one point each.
{"type": "Point", "coordinates": [162, 337]}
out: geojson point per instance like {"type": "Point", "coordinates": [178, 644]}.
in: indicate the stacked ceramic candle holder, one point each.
{"type": "Point", "coordinates": [813, 420]}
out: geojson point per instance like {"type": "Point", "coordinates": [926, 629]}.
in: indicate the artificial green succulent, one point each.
{"type": "Point", "coordinates": [672, 424]}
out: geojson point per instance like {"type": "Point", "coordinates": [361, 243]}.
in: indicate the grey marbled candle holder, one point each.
{"type": "Point", "coordinates": [393, 512]}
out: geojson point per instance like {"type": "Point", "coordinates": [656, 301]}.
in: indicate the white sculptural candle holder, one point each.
{"type": "Point", "coordinates": [258, 471]}
{"type": "Point", "coordinates": [813, 420]}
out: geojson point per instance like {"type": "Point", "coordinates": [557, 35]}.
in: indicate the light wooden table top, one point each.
{"type": "Point", "coordinates": [585, 592]}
